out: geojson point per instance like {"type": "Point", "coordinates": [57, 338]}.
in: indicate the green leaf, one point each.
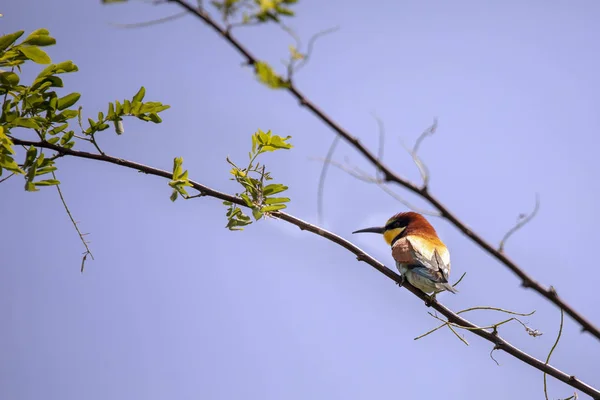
{"type": "Point", "coordinates": [135, 107]}
{"type": "Point", "coordinates": [174, 195]}
{"type": "Point", "coordinates": [155, 118]}
{"type": "Point", "coordinates": [35, 54]}
{"type": "Point", "coordinates": [53, 140]}
{"type": "Point", "coordinates": [26, 123]}
{"type": "Point", "coordinates": [273, 189]}
{"type": "Point", "coordinates": [266, 75]}
{"type": "Point", "coordinates": [39, 161]}
{"type": "Point", "coordinates": [30, 187]}
{"type": "Point", "coordinates": [68, 101]}
{"type": "Point", "coordinates": [66, 138]}
{"type": "Point", "coordinates": [41, 31]}
{"type": "Point", "coordinates": [58, 129]}
{"type": "Point", "coordinates": [46, 170]}
{"type": "Point", "coordinates": [9, 78]}
{"type": "Point", "coordinates": [111, 111]}
{"type": "Point", "coordinates": [284, 11]}
{"type": "Point", "coordinates": [46, 82]}
{"type": "Point", "coordinates": [275, 142]}
{"type": "Point", "coordinates": [273, 207]}
{"type": "Point", "coordinates": [177, 162]}
{"type": "Point", "coordinates": [7, 40]}
{"type": "Point", "coordinates": [276, 200]}
{"type": "Point", "coordinates": [246, 199]}
{"type": "Point", "coordinates": [139, 96]}
{"type": "Point", "coordinates": [39, 40]}
{"type": "Point", "coordinates": [65, 67]}
{"type": "Point", "coordinates": [257, 214]}
{"type": "Point", "coordinates": [47, 182]}
{"type": "Point", "coordinates": [8, 163]}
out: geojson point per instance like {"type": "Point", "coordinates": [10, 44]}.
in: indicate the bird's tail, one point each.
{"type": "Point", "coordinates": [448, 287]}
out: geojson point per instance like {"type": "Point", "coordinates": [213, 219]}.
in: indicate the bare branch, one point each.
{"type": "Point", "coordinates": [454, 318]}
{"type": "Point", "coordinates": [389, 176]}
{"type": "Point", "coordinates": [522, 221]}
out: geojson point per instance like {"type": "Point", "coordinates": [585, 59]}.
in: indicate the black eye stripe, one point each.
{"type": "Point", "coordinates": [395, 224]}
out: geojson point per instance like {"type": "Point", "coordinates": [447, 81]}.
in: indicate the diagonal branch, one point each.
{"type": "Point", "coordinates": [526, 280]}
{"type": "Point", "coordinates": [452, 317]}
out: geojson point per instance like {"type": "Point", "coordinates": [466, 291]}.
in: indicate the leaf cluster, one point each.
{"type": "Point", "coordinates": [39, 107]}
{"type": "Point", "coordinates": [258, 193]}
{"type": "Point", "coordinates": [254, 11]}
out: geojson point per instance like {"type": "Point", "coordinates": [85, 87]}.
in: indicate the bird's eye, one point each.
{"type": "Point", "coordinates": [397, 224]}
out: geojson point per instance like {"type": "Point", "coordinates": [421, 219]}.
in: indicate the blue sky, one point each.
{"type": "Point", "coordinates": [176, 306]}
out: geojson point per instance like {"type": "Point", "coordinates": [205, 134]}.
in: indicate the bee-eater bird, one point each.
{"type": "Point", "coordinates": [421, 257]}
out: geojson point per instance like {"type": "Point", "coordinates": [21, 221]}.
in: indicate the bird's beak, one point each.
{"type": "Point", "coordinates": [370, 230]}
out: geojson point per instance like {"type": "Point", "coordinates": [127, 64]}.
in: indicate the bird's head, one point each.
{"type": "Point", "coordinates": [402, 224]}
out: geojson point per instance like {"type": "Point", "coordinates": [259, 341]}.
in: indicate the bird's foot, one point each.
{"type": "Point", "coordinates": [401, 283]}
{"type": "Point", "coordinates": [429, 299]}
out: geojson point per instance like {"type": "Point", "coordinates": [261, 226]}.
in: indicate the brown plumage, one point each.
{"type": "Point", "coordinates": [419, 253]}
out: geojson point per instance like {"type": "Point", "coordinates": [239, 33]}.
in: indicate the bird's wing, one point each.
{"type": "Point", "coordinates": [429, 260]}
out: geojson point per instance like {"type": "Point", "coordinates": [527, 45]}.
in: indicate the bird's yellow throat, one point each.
{"type": "Point", "coordinates": [391, 234]}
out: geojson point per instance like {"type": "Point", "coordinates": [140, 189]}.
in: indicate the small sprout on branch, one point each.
{"type": "Point", "coordinates": [255, 11]}
{"type": "Point", "coordinates": [257, 195]}
{"type": "Point", "coordinates": [298, 59]}
{"type": "Point", "coordinates": [180, 180]}
{"type": "Point", "coordinates": [267, 76]}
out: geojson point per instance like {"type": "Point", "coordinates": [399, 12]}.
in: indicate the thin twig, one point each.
{"type": "Point", "coordinates": [523, 220]}
{"type": "Point", "coordinates": [360, 255]}
{"type": "Point", "coordinates": [460, 279]}
{"type": "Point", "coordinates": [363, 176]}
{"type": "Point", "coordinates": [381, 144]}
{"type": "Point", "coordinates": [560, 328]}
{"type": "Point", "coordinates": [423, 170]}
{"type": "Point", "coordinates": [462, 339]}
{"type": "Point", "coordinates": [321, 187]}
{"type": "Point", "coordinates": [153, 22]}
{"type": "Point", "coordinates": [311, 44]}
{"type": "Point", "coordinates": [492, 355]}
{"type": "Point", "coordinates": [85, 244]}
{"type": "Point", "coordinates": [526, 280]}
{"type": "Point", "coordinates": [7, 177]}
